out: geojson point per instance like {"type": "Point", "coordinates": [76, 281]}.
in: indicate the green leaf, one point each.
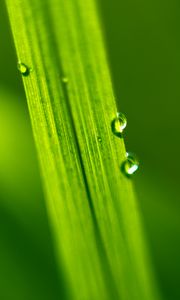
{"type": "Point", "coordinates": [26, 252]}
{"type": "Point", "coordinates": [91, 204]}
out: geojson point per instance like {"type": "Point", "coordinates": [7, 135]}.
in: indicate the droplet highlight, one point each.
{"type": "Point", "coordinates": [130, 165]}
{"type": "Point", "coordinates": [23, 69]}
{"type": "Point", "coordinates": [119, 124]}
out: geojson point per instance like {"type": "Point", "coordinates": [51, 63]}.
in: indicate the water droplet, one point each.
{"type": "Point", "coordinates": [24, 70]}
{"type": "Point", "coordinates": [130, 165]}
{"type": "Point", "coordinates": [65, 79]}
{"type": "Point", "coordinates": [99, 139]}
{"type": "Point", "coordinates": [119, 124]}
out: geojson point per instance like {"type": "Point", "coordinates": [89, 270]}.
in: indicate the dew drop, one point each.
{"type": "Point", "coordinates": [65, 79]}
{"type": "Point", "coordinates": [24, 70]}
{"type": "Point", "coordinates": [119, 124]}
{"type": "Point", "coordinates": [99, 139]}
{"type": "Point", "coordinates": [130, 165]}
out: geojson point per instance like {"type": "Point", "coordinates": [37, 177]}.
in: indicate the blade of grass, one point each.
{"type": "Point", "coordinates": [92, 208]}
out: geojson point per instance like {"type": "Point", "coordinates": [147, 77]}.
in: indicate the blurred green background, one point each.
{"type": "Point", "coordinates": [142, 39]}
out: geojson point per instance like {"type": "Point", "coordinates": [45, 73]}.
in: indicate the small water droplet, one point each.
{"type": "Point", "coordinates": [65, 79]}
{"type": "Point", "coordinates": [24, 70]}
{"type": "Point", "coordinates": [119, 124]}
{"type": "Point", "coordinates": [130, 165]}
{"type": "Point", "coordinates": [99, 139]}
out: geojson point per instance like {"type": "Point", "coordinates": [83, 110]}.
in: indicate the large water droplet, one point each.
{"type": "Point", "coordinates": [119, 124]}
{"type": "Point", "coordinates": [130, 165]}
{"type": "Point", "coordinates": [24, 70]}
